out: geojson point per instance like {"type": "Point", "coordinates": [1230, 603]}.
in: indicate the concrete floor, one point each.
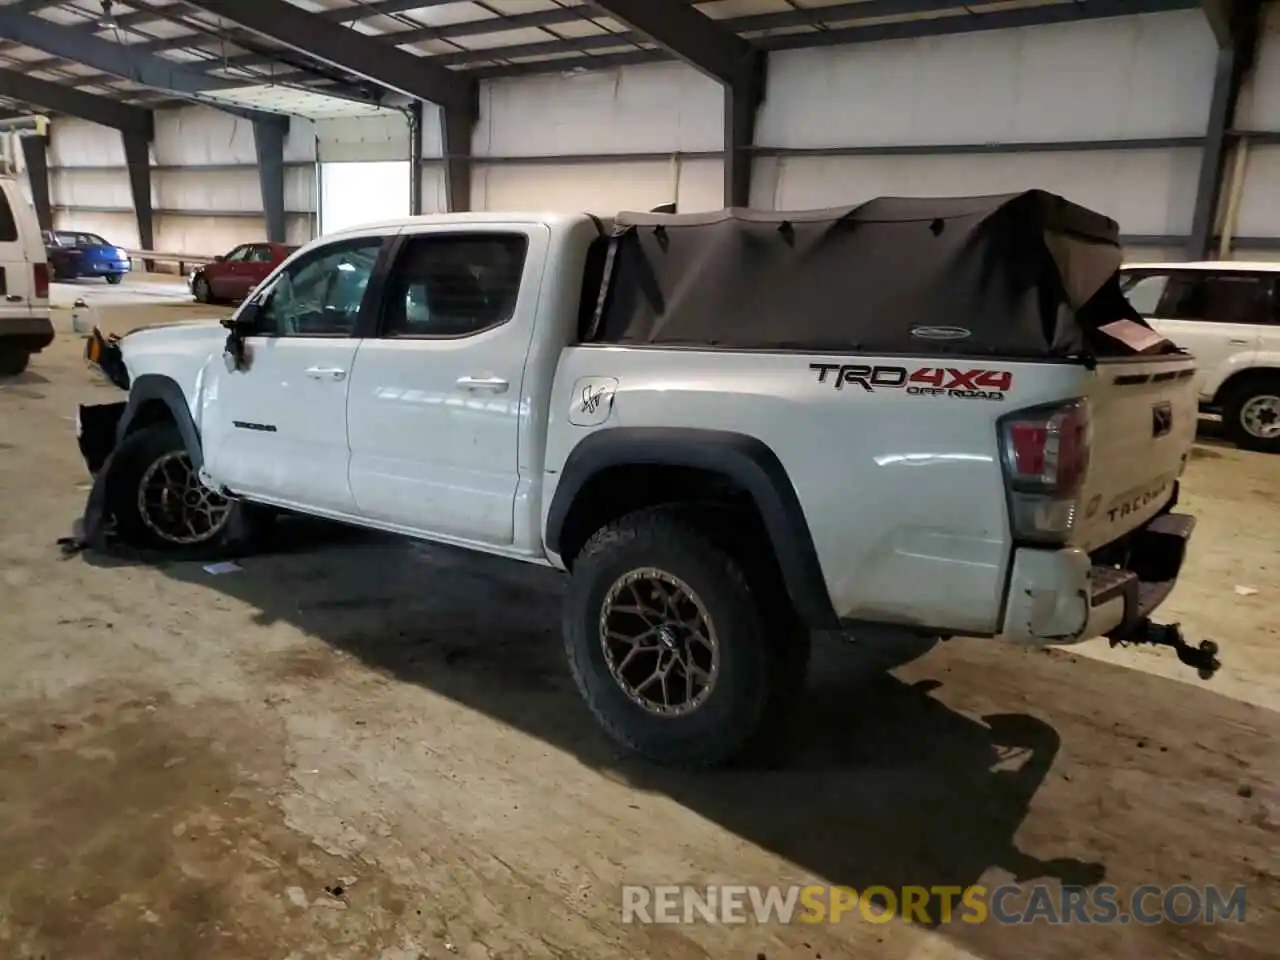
{"type": "Point", "coordinates": [188, 761]}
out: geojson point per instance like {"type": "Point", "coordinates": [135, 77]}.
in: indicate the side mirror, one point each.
{"type": "Point", "coordinates": [219, 258]}
{"type": "Point", "coordinates": [243, 322]}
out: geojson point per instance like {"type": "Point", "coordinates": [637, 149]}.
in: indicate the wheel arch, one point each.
{"type": "Point", "coordinates": [1231, 383]}
{"type": "Point", "coordinates": [745, 462]}
{"type": "Point", "coordinates": [154, 397]}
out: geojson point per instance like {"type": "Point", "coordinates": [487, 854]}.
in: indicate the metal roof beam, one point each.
{"type": "Point", "coordinates": [691, 36]}
{"type": "Point", "coordinates": [130, 120]}
{"type": "Point", "coordinates": [118, 59]}
{"type": "Point", "coordinates": [359, 11]}
{"type": "Point", "coordinates": [345, 49]}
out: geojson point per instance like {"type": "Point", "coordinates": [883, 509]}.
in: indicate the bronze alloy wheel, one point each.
{"type": "Point", "coordinates": [659, 642]}
{"type": "Point", "coordinates": [175, 506]}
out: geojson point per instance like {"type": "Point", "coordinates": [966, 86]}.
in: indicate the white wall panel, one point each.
{"type": "Point", "coordinates": [299, 228]}
{"type": "Point", "coordinates": [208, 190]}
{"type": "Point", "coordinates": [194, 136]}
{"type": "Point", "coordinates": [1259, 211]}
{"type": "Point", "coordinates": [1134, 254]}
{"type": "Point", "coordinates": [119, 228]}
{"type": "Point", "coordinates": [90, 188]}
{"type": "Point", "coordinates": [1147, 192]}
{"type": "Point", "coordinates": [384, 136]}
{"type": "Point", "coordinates": [434, 199]}
{"type": "Point", "coordinates": [602, 188]}
{"type": "Point", "coordinates": [300, 144]}
{"type": "Point", "coordinates": [76, 143]}
{"type": "Point", "coordinates": [206, 235]}
{"type": "Point", "coordinates": [299, 189]}
{"type": "Point", "coordinates": [432, 135]}
{"type": "Point", "coordinates": [643, 109]}
{"type": "Point", "coordinates": [1144, 76]}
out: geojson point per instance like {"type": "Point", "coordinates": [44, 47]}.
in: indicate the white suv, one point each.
{"type": "Point", "coordinates": [1228, 315]}
{"type": "Point", "coordinates": [25, 327]}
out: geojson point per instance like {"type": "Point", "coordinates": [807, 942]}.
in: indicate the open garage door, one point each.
{"type": "Point", "coordinates": [364, 169]}
{"type": "Point", "coordinates": [355, 193]}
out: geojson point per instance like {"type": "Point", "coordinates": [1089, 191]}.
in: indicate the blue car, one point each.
{"type": "Point", "coordinates": [74, 253]}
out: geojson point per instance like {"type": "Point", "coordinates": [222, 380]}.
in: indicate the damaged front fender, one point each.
{"type": "Point", "coordinates": [104, 355]}
{"type": "Point", "coordinates": [97, 430]}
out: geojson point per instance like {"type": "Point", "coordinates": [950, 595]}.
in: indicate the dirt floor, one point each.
{"type": "Point", "coordinates": [363, 748]}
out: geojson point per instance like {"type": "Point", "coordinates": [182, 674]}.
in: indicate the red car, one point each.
{"type": "Point", "coordinates": [233, 275]}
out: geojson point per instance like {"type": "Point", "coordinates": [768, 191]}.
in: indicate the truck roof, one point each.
{"type": "Point", "coordinates": [1254, 266]}
{"type": "Point", "coordinates": [550, 218]}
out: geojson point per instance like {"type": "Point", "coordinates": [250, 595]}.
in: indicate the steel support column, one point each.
{"type": "Point", "coordinates": [742, 101]}
{"type": "Point", "coordinates": [415, 158]}
{"type": "Point", "coordinates": [1235, 29]}
{"type": "Point", "coordinates": [35, 152]}
{"type": "Point", "coordinates": [136, 158]}
{"type": "Point", "coordinates": [268, 142]}
{"type": "Point", "coordinates": [456, 129]}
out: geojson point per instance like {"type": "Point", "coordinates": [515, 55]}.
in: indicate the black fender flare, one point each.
{"type": "Point", "coordinates": [746, 460]}
{"type": "Point", "coordinates": [152, 387]}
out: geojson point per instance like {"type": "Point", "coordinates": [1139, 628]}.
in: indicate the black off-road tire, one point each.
{"type": "Point", "coordinates": [13, 360]}
{"type": "Point", "coordinates": [138, 451]}
{"type": "Point", "coordinates": [1237, 401]}
{"type": "Point", "coordinates": [114, 278]}
{"type": "Point", "coordinates": [761, 670]}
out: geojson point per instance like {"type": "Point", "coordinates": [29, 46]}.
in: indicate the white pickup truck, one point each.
{"type": "Point", "coordinates": [731, 429]}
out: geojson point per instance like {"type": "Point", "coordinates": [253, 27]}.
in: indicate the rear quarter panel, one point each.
{"type": "Point", "coordinates": [903, 491]}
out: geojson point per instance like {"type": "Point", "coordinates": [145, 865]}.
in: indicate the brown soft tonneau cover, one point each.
{"type": "Point", "coordinates": [999, 275]}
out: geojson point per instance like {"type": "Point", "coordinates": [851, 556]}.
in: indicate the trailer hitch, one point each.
{"type": "Point", "coordinates": [1203, 658]}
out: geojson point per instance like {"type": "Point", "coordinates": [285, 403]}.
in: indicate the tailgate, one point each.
{"type": "Point", "coordinates": [1143, 416]}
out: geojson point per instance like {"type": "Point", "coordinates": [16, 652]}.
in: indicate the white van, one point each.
{"type": "Point", "coordinates": [1227, 314]}
{"type": "Point", "coordinates": [25, 327]}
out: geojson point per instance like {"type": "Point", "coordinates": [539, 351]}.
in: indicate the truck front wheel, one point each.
{"type": "Point", "coordinates": [158, 502]}
{"type": "Point", "coordinates": [669, 647]}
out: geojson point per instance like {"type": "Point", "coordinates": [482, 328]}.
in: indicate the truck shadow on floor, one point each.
{"type": "Point", "coordinates": [864, 791]}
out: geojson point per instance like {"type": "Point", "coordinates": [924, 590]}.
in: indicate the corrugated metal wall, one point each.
{"type": "Point", "coordinates": [639, 136]}
{"type": "Point", "coordinates": [204, 181]}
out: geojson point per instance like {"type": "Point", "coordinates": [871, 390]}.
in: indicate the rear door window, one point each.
{"type": "Point", "coordinates": [1201, 295]}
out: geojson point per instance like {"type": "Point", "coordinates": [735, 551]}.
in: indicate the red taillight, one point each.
{"type": "Point", "coordinates": [1046, 457]}
{"type": "Point", "coordinates": [40, 272]}
{"type": "Point", "coordinates": [1026, 443]}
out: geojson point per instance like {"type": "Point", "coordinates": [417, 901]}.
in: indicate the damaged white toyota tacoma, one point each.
{"type": "Point", "coordinates": [731, 429]}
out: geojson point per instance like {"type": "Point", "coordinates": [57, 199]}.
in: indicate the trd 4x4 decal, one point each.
{"type": "Point", "coordinates": [952, 382]}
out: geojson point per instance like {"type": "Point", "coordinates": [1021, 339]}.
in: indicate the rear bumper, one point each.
{"type": "Point", "coordinates": [32, 334]}
{"type": "Point", "coordinates": [1060, 596]}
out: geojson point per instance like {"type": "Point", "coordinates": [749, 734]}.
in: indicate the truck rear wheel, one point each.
{"type": "Point", "coordinates": [669, 647]}
{"type": "Point", "coordinates": [1251, 414]}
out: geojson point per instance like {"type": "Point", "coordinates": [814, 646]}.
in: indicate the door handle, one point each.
{"type": "Point", "coordinates": [13, 297]}
{"type": "Point", "coordinates": [326, 373]}
{"type": "Point", "coordinates": [496, 384]}
{"type": "Point", "coordinates": [1240, 341]}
